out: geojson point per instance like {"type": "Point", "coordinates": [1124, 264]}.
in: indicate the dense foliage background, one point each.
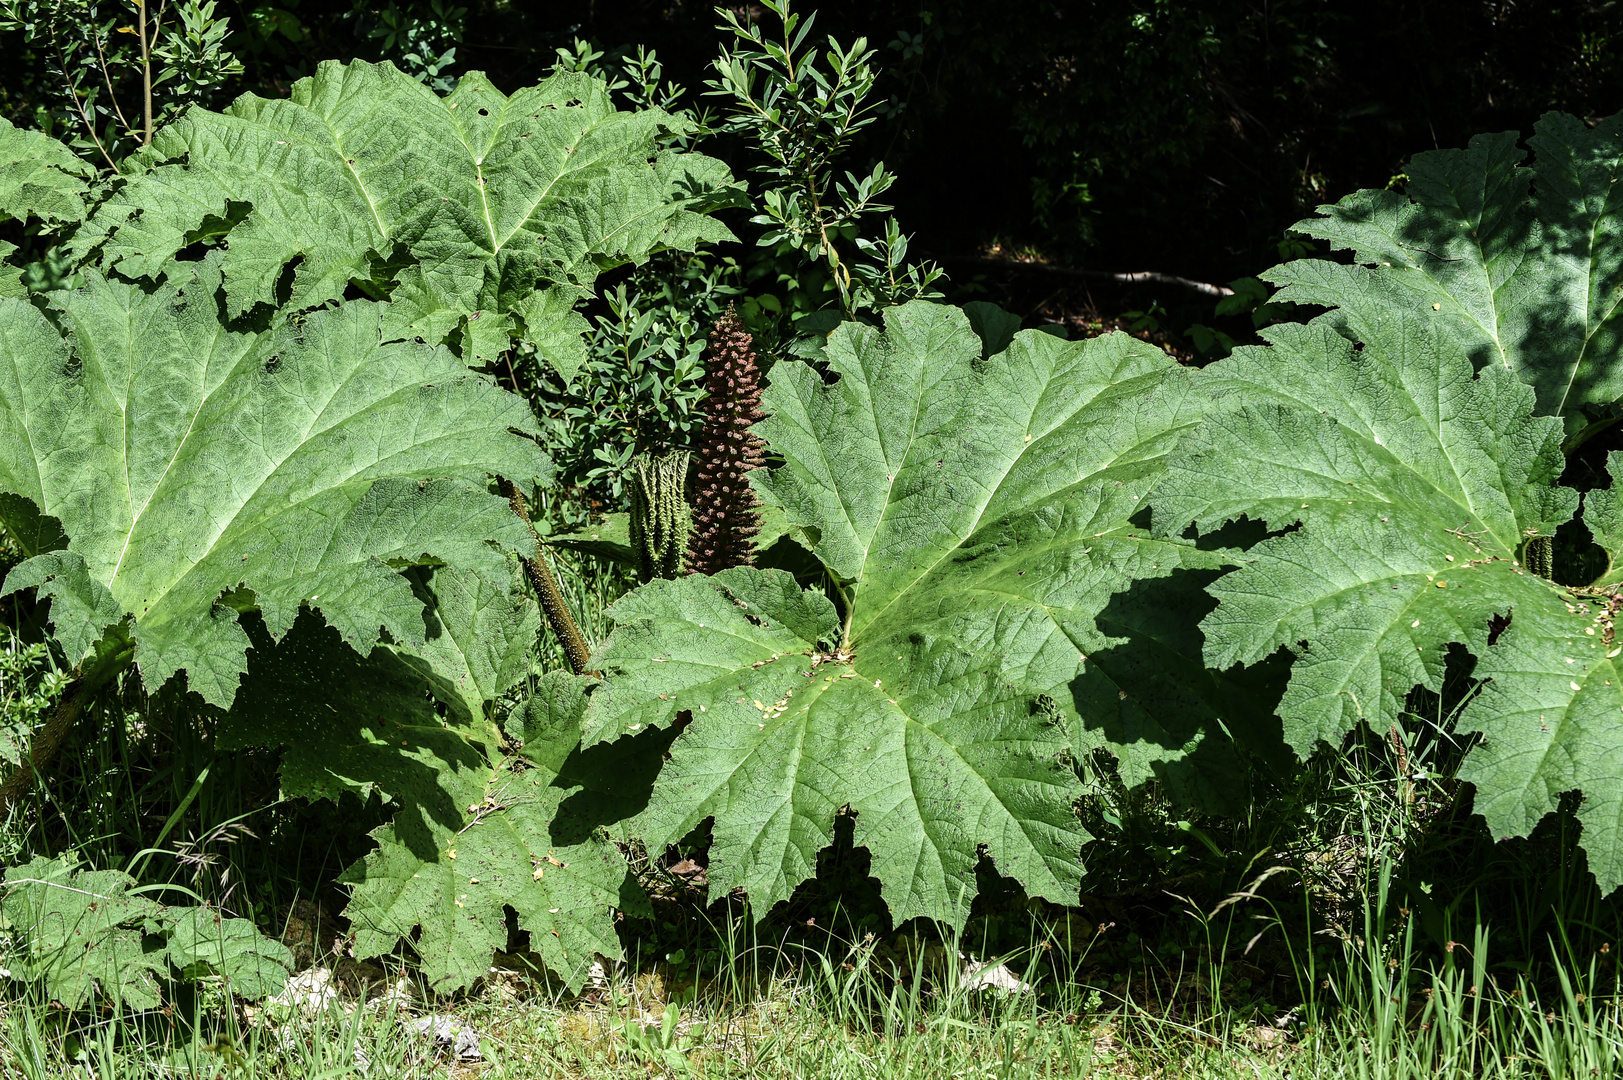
{"type": "Point", "coordinates": [1177, 135]}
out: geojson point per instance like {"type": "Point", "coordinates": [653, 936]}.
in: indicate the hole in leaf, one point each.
{"type": "Point", "coordinates": [484, 112]}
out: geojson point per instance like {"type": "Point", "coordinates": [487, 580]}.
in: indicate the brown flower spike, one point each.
{"type": "Point", "coordinates": [726, 511]}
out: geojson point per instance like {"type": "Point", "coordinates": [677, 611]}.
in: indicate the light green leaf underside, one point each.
{"type": "Point", "coordinates": [1517, 267]}
{"type": "Point", "coordinates": [1414, 485]}
{"type": "Point", "coordinates": [289, 467]}
{"type": "Point", "coordinates": [472, 832]}
{"type": "Point", "coordinates": [492, 195]}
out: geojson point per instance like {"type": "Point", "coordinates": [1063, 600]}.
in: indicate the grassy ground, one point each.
{"type": "Point", "coordinates": [833, 1017]}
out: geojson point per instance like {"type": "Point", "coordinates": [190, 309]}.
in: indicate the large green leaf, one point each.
{"type": "Point", "coordinates": [88, 932]}
{"type": "Point", "coordinates": [1403, 489]}
{"type": "Point", "coordinates": [85, 933]}
{"type": "Point", "coordinates": [952, 758]}
{"type": "Point", "coordinates": [1550, 716]}
{"type": "Point", "coordinates": [39, 178]}
{"type": "Point", "coordinates": [1551, 710]}
{"type": "Point", "coordinates": [530, 834]}
{"type": "Point", "coordinates": [978, 516]}
{"type": "Point", "coordinates": [1519, 267]}
{"type": "Point", "coordinates": [491, 197]}
{"type": "Point", "coordinates": [1410, 486]}
{"type": "Point", "coordinates": [202, 943]}
{"type": "Point", "coordinates": [1001, 505]}
{"type": "Point", "coordinates": [473, 833]}
{"type": "Point", "coordinates": [201, 469]}
{"type": "Point", "coordinates": [479, 637]}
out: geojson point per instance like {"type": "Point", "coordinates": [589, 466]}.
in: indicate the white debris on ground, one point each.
{"type": "Point", "coordinates": [311, 991]}
{"type": "Point", "coordinates": [451, 1034]}
{"type": "Point", "coordinates": [907, 956]}
{"type": "Point", "coordinates": [981, 976]}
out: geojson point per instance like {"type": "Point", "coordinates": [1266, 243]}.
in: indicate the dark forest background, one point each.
{"type": "Point", "coordinates": [1180, 136]}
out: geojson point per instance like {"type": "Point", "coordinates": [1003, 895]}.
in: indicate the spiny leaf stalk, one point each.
{"type": "Point", "coordinates": [727, 512]}
{"type": "Point", "coordinates": [547, 591]}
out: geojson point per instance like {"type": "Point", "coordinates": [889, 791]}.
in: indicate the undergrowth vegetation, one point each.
{"type": "Point", "coordinates": [758, 666]}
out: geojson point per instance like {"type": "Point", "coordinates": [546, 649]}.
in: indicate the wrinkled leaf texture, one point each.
{"type": "Point", "coordinates": [1522, 263]}
{"type": "Point", "coordinates": [88, 933]}
{"type": "Point", "coordinates": [40, 179]}
{"type": "Point", "coordinates": [474, 832]}
{"type": "Point", "coordinates": [506, 207]}
{"type": "Point", "coordinates": [200, 469]}
{"type": "Point", "coordinates": [1406, 445]}
{"type": "Point", "coordinates": [979, 514]}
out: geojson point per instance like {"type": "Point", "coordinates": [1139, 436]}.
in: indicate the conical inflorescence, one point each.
{"type": "Point", "coordinates": [726, 511]}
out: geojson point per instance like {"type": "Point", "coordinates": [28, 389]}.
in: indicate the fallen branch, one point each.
{"type": "Point", "coordinates": [1151, 277]}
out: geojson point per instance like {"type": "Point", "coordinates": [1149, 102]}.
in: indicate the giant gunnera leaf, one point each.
{"type": "Point", "coordinates": [40, 179]}
{"type": "Point", "coordinates": [474, 831]}
{"type": "Point", "coordinates": [475, 201]}
{"type": "Point", "coordinates": [976, 518]}
{"type": "Point", "coordinates": [92, 933]}
{"type": "Point", "coordinates": [1519, 266]}
{"type": "Point", "coordinates": [200, 469]}
{"type": "Point", "coordinates": [1403, 488]}
{"type": "Point", "coordinates": [85, 933]}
